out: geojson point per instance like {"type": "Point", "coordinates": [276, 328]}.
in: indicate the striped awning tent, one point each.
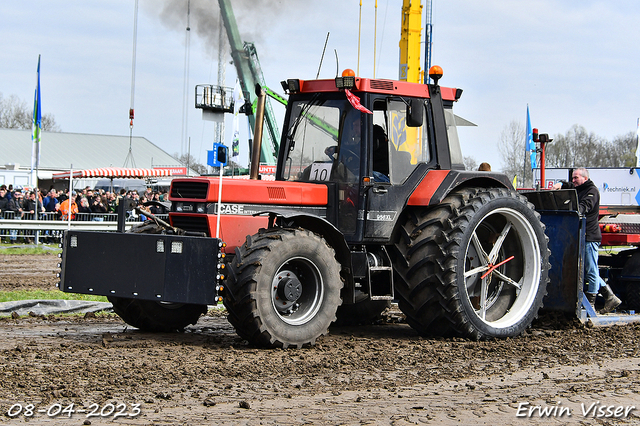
{"type": "Point", "coordinates": [114, 173]}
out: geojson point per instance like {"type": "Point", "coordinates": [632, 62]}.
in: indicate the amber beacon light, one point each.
{"type": "Point", "coordinates": [435, 72]}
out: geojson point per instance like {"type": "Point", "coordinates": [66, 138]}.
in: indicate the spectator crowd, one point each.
{"type": "Point", "coordinates": [85, 204]}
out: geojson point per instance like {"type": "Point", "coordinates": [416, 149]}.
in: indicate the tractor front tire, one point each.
{"type": "Point", "coordinates": [159, 317]}
{"type": "Point", "coordinates": [284, 288]}
{"type": "Point", "coordinates": [148, 315]}
{"type": "Point", "coordinates": [474, 266]}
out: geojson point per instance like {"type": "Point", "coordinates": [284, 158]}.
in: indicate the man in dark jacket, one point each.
{"type": "Point", "coordinates": [4, 201]}
{"type": "Point", "coordinates": [15, 204]}
{"type": "Point", "coordinates": [589, 206]}
{"type": "Point", "coordinates": [29, 205]}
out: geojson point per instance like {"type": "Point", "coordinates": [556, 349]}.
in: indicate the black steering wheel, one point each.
{"type": "Point", "coordinates": [348, 156]}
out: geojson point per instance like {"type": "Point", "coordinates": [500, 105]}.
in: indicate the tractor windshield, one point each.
{"type": "Point", "coordinates": [315, 131]}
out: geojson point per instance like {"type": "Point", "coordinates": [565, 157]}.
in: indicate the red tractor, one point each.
{"type": "Point", "coordinates": [370, 203]}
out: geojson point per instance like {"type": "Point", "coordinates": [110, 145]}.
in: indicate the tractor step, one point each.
{"type": "Point", "coordinates": [382, 275]}
{"type": "Point", "coordinates": [382, 297]}
{"type": "Point", "coordinates": [380, 268]}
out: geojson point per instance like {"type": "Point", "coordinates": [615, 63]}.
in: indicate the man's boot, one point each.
{"type": "Point", "coordinates": [591, 297]}
{"type": "Point", "coordinates": [611, 301]}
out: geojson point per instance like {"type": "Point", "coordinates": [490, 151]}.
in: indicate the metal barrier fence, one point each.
{"type": "Point", "coordinates": [49, 226]}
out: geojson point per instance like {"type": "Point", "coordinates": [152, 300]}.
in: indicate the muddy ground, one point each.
{"type": "Point", "coordinates": [378, 374]}
{"type": "Point", "coordinates": [28, 272]}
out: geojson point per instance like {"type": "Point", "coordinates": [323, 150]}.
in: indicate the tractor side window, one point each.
{"type": "Point", "coordinates": [408, 145]}
{"type": "Point", "coordinates": [452, 132]}
{"type": "Point", "coordinates": [380, 148]}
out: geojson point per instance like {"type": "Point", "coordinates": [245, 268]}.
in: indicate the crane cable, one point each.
{"type": "Point", "coordinates": [384, 24]}
{"type": "Point", "coordinates": [133, 62]}
{"type": "Point", "coordinates": [375, 36]}
{"type": "Point", "coordinates": [133, 84]}
{"type": "Point", "coordinates": [359, 28]}
{"type": "Point", "coordinates": [185, 114]}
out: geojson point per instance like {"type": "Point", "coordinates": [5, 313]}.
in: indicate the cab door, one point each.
{"type": "Point", "coordinates": [403, 148]}
{"type": "Point", "coordinates": [346, 174]}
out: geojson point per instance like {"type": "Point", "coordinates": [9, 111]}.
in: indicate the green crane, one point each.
{"type": "Point", "coordinates": [245, 59]}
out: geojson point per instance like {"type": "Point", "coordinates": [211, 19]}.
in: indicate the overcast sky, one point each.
{"type": "Point", "coordinates": [572, 62]}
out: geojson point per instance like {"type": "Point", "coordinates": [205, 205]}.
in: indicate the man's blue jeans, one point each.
{"type": "Point", "coordinates": [591, 276]}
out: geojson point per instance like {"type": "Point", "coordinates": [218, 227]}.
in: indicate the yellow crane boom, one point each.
{"type": "Point", "coordinates": [410, 41]}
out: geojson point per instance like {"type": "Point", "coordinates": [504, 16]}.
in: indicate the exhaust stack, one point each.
{"type": "Point", "coordinates": [257, 133]}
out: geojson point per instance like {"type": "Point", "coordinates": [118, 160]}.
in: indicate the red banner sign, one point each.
{"type": "Point", "coordinates": [265, 169]}
{"type": "Point", "coordinates": [175, 171]}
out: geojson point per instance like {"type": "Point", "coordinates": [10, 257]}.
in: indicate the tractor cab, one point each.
{"type": "Point", "coordinates": [370, 147]}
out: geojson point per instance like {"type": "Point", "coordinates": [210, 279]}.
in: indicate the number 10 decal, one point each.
{"type": "Point", "coordinates": [320, 171]}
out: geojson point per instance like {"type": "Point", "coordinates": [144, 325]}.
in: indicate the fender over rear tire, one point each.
{"type": "Point", "coordinates": [284, 288]}
{"type": "Point", "coordinates": [148, 315]}
{"type": "Point", "coordinates": [475, 266]}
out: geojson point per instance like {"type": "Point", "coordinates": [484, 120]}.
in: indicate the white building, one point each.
{"type": "Point", "coordinates": [61, 151]}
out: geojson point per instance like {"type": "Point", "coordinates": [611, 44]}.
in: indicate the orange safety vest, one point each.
{"type": "Point", "coordinates": [64, 209]}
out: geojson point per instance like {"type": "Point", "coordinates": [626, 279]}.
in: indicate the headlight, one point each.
{"type": "Point", "coordinates": [191, 207]}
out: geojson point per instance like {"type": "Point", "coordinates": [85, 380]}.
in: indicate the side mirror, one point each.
{"type": "Point", "coordinates": [415, 113]}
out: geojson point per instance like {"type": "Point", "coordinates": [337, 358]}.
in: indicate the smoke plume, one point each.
{"type": "Point", "coordinates": [254, 17]}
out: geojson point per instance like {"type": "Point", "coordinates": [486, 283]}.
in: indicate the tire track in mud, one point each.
{"type": "Point", "coordinates": [28, 272]}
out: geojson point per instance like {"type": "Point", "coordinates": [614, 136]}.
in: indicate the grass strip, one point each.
{"type": "Point", "coordinates": [11, 296]}
{"type": "Point", "coordinates": [41, 249]}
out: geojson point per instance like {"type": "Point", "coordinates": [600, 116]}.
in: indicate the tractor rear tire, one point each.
{"type": "Point", "coordinates": [284, 288]}
{"type": "Point", "coordinates": [149, 315]}
{"type": "Point", "coordinates": [474, 266]}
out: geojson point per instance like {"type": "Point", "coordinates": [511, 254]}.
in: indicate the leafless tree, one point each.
{"type": "Point", "coordinates": [16, 114]}
{"type": "Point", "coordinates": [623, 149]}
{"type": "Point", "coordinates": [190, 161]}
{"type": "Point", "coordinates": [470, 163]}
{"type": "Point", "coordinates": [579, 148]}
{"type": "Point", "coordinates": [576, 148]}
{"type": "Point", "coordinates": [515, 160]}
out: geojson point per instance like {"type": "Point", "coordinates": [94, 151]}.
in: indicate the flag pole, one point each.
{"type": "Point", "coordinates": [35, 213]}
{"type": "Point", "coordinates": [70, 199]}
{"type": "Point", "coordinates": [35, 137]}
{"type": "Point", "coordinates": [524, 165]}
{"type": "Point", "coordinates": [638, 144]}
{"type": "Point", "coordinates": [530, 148]}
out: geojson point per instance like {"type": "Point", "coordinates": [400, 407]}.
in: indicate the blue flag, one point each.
{"type": "Point", "coordinates": [530, 145]}
{"type": "Point", "coordinates": [36, 124]}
